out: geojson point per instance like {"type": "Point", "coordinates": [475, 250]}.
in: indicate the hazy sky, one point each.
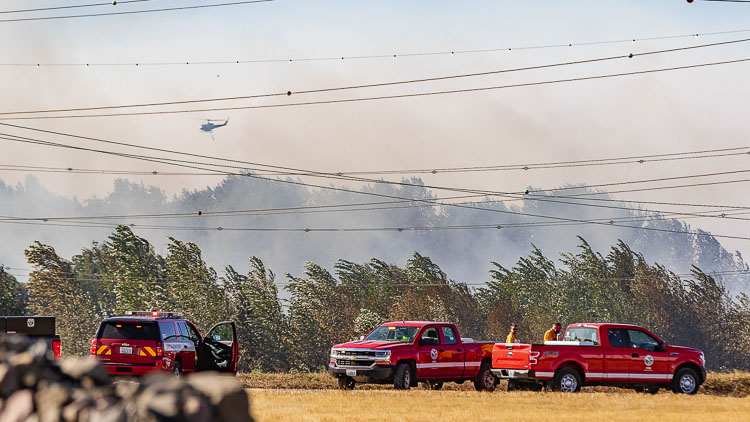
{"type": "Point", "coordinates": [650, 114]}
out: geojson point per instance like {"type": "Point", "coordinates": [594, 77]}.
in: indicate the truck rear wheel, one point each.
{"type": "Point", "coordinates": [485, 380]}
{"type": "Point", "coordinates": [685, 381]}
{"type": "Point", "coordinates": [403, 377]}
{"type": "Point", "coordinates": [346, 383]}
{"type": "Point", "coordinates": [567, 380]}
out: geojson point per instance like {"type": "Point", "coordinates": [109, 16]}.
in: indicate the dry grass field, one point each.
{"type": "Point", "coordinates": [314, 397]}
{"type": "Point", "coordinates": [422, 405]}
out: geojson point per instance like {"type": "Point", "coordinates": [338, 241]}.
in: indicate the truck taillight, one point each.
{"type": "Point", "coordinates": [57, 348]}
{"type": "Point", "coordinates": [159, 350]}
{"type": "Point", "coordinates": [533, 356]}
{"type": "Point", "coordinates": [94, 346]}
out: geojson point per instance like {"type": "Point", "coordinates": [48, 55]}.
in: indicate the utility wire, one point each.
{"type": "Point", "coordinates": [372, 85]}
{"type": "Point", "coordinates": [72, 6]}
{"type": "Point", "coordinates": [133, 12]}
{"type": "Point", "coordinates": [379, 56]}
{"type": "Point", "coordinates": [494, 193]}
{"type": "Point", "coordinates": [396, 96]}
{"type": "Point", "coordinates": [372, 206]}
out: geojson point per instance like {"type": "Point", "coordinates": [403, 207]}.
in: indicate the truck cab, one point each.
{"type": "Point", "coordinates": [407, 352]}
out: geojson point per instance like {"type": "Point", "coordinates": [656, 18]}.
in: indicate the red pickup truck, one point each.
{"type": "Point", "coordinates": [407, 352]}
{"type": "Point", "coordinates": [601, 354]}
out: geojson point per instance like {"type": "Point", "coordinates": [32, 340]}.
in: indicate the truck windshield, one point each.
{"type": "Point", "coordinates": [582, 334]}
{"type": "Point", "coordinates": [393, 333]}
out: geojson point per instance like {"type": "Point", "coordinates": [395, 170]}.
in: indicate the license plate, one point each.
{"type": "Point", "coordinates": [126, 350]}
{"type": "Point", "coordinates": [351, 372]}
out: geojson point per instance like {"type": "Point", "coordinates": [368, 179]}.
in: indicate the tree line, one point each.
{"type": "Point", "coordinates": [294, 331]}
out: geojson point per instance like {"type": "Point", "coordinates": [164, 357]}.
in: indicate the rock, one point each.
{"type": "Point", "coordinates": [226, 395]}
{"type": "Point", "coordinates": [19, 407]}
{"type": "Point", "coordinates": [86, 371]}
{"type": "Point", "coordinates": [34, 388]}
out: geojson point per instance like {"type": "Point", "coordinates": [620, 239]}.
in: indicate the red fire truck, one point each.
{"type": "Point", "coordinates": [407, 352]}
{"type": "Point", "coordinates": [601, 354]}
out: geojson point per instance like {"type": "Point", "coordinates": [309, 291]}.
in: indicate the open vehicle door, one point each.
{"type": "Point", "coordinates": [220, 349]}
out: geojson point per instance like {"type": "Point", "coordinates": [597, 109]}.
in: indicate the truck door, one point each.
{"type": "Point", "coordinates": [451, 352]}
{"type": "Point", "coordinates": [617, 355]}
{"type": "Point", "coordinates": [220, 349]}
{"type": "Point", "coordinates": [429, 364]}
{"type": "Point", "coordinates": [190, 342]}
{"type": "Point", "coordinates": [649, 361]}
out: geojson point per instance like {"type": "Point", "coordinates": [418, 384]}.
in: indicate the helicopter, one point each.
{"type": "Point", "coordinates": [208, 126]}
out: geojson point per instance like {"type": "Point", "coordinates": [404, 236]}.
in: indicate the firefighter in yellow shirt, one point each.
{"type": "Point", "coordinates": [553, 333]}
{"type": "Point", "coordinates": [512, 335]}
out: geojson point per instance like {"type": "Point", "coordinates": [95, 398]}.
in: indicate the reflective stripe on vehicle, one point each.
{"type": "Point", "coordinates": [101, 350]}
{"type": "Point", "coordinates": [147, 351]}
{"type": "Point", "coordinates": [614, 375]}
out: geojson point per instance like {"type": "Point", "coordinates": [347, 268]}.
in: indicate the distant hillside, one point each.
{"type": "Point", "coordinates": [465, 255]}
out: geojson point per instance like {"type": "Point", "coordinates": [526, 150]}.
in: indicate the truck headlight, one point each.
{"type": "Point", "coordinates": [333, 352]}
{"type": "Point", "coordinates": [703, 359]}
{"type": "Point", "coordinates": [383, 356]}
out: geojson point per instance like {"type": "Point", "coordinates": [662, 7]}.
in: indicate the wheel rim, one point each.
{"type": "Point", "coordinates": [687, 384]}
{"type": "Point", "coordinates": [176, 372]}
{"type": "Point", "coordinates": [489, 380]}
{"type": "Point", "coordinates": [407, 378]}
{"type": "Point", "coordinates": [568, 383]}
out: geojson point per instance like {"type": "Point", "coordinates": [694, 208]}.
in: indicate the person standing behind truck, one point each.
{"type": "Point", "coordinates": [512, 335]}
{"type": "Point", "coordinates": [553, 333]}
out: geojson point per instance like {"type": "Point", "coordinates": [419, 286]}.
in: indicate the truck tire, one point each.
{"type": "Point", "coordinates": [485, 380]}
{"type": "Point", "coordinates": [685, 381]}
{"type": "Point", "coordinates": [346, 383]}
{"type": "Point", "coordinates": [403, 377]}
{"type": "Point", "coordinates": [433, 385]}
{"type": "Point", "coordinates": [567, 380]}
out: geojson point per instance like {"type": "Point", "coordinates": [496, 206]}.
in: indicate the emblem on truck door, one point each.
{"type": "Point", "coordinates": [434, 354]}
{"type": "Point", "coordinates": [30, 322]}
{"type": "Point", "coordinates": [648, 360]}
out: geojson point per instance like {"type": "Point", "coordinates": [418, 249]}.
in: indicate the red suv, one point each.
{"type": "Point", "coordinates": [145, 341]}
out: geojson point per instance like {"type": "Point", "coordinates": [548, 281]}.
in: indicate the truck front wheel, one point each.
{"type": "Point", "coordinates": [685, 381]}
{"type": "Point", "coordinates": [346, 383]}
{"type": "Point", "coordinates": [403, 377]}
{"type": "Point", "coordinates": [567, 380]}
{"type": "Point", "coordinates": [485, 380]}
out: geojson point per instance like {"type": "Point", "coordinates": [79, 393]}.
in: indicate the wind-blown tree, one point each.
{"type": "Point", "coordinates": [192, 286]}
{"type": "Point", "coordinates": [263, 328]}
{"type": "Point", "coordinates": [137, 272]}
{"type": "Point", "coordinates": [54, 290]}
{"type": "Point", "coordinates": [13, 298]}
{"type": "Point", "coordinates": [321, 314]}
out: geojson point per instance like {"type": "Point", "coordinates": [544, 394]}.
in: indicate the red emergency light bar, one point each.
{"type": "Point", "coordinates": [154, 314]}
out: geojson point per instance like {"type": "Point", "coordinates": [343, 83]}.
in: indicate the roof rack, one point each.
{"type": "Point", "coordinates": [154, 314]}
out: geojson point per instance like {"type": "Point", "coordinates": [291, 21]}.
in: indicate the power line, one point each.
{"type": "Point", "coordinates": [133, 12]}
{"type": "Point", "coordinates": [394, 55]}
{"type": "Point", "coordinates": [372, 206]}
{"type": "Point", "coordinates": [736, 151]}
{"type": "Point", "coordinates": [431, 201]}
{"type": "Point", "coordinates": [371, 85]}
{"type": "Point", "coordinates": [72, 6]}
{"type": "Point", "coordinates": [156, 280]}
{"type": "Point", "coordinates": [396, 96]}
